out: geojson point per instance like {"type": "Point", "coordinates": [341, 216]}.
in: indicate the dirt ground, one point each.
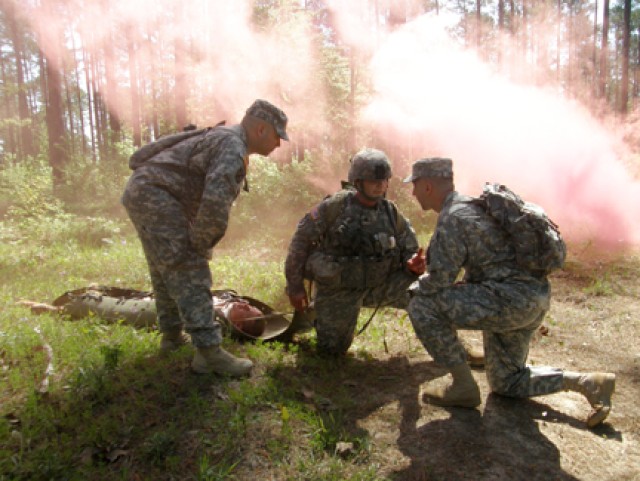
{"type": "Point", "coordinates": [594, 324]}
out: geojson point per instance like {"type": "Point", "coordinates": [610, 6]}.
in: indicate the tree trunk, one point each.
{"type": "Point", "coordinates": [595, 48]}
{"type": "Point", "coordinates": [604, 47]}
{"type": "Point", "coordinates": [52, 38]}
{"type": "Point", "coordinates": [523, 29]}
{"type": "Point", "coordinates": [636, 75]}
{"type": "Point", "coordinates": [86, 58]}
{"type": "Point", "coordinates": [353, 141]}
{"type": "Point", "coordinates": [558, 42]}
{"type": "Point", "coordinates": [69, 108]}
{"type": "Point", "coordinates": [570, 50]}
{"type": "Point", "coordinates": [55, 121]}
{"type": "Point", "coordinates": [500, 32]}
{"type": "Point", "coordinates": [111, 89]}
{"type": "Point", "coordinates": [97, 102]}
{"type": "Point", "coordinates": [512, 11]}
{"type": "Point", "coordinates": [154, 108]}
{"type": "Point", "coordinates": [179, 74]}
{"type": "Point", "coordinates": [626, 45]}
{"type": "Point", "coordinates": [478, 24]}
{"type": "Point", "coordinates": [26, 144]}
{"type": "Point", "coordinates": [9, 135]}
{"type": "Point", "coordinates": [135, 93]}
{"type": "Point", "coordinates": [78, 91]}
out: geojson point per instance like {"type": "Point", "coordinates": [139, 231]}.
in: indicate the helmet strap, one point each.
{"type": "Point", "coordinates": [365, 199]}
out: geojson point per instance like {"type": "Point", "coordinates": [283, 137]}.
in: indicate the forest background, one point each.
{"type": "Point", "coordinates": [540, 95]}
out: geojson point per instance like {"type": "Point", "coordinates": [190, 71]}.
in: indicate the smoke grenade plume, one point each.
{"type": "Point", "coordinates": [430, 96]}
{"type": "Point", "coordinates": [441, 100]}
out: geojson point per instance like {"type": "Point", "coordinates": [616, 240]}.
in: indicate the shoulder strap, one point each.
{"type": "Point", "coordinates": [336, 206]}
{"type": "Point", "coordinates": [392, 213]}
{"type": "Point", "coordinates": [144, 153]}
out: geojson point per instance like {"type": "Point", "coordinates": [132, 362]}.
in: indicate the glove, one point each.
{"type": "Point", "coordinates": [299, 301]}
{"type": "Point", "coordinates": [418, 263]}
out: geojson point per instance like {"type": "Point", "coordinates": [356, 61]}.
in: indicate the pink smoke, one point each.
{"type": "Point", "coordinates": [430, 95]}
{"type": "Point", "coordinates": [443, 100]}
{"type": "Point", "coordinates": [229, 62]}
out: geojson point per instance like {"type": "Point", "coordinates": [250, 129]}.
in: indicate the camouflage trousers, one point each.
{"type": "Point", "coordinates": [181, 278]}
{"type": "Point", "coordinates": [507, 315]}
{"type": "Point", "coordinates": [337, 309]}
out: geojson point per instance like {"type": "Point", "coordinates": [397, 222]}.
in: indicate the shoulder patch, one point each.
{"type": "Point", "coordinates": [314, 214]}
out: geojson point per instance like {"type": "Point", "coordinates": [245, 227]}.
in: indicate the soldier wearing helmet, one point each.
{"type": "Point", "coordinates": [358, 249]}
{"type": "Point", "coordinates": [369, 167]}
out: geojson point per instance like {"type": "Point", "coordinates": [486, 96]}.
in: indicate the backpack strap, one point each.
{"type": "Point", "coordinates": [144, 153]}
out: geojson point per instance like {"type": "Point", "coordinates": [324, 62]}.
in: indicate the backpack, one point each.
{"type": "Point", "coordinates": [144, 153]}
{"type": "Point", "coordinates": [536, 239]}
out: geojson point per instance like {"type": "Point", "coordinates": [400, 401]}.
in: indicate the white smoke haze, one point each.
{"type": "Point", "coordinates": [430, 94]}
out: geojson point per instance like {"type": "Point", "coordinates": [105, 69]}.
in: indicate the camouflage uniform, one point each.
{"type": "Point", "coordinates": [357, 256]}
{"type": "Point", "coordinates": [179, 201]}
{"type": "Point", "coordinates": [496, 296]}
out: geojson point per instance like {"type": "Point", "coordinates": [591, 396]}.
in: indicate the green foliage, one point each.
{"type": "Point", "coordinates": [26, 189]}
{"type": "Point", "coordinates": [278, 197]}
{"type": "Point", "coordinates": [34, 211]}
{"type": "Point", "coordinates": [91, 187]}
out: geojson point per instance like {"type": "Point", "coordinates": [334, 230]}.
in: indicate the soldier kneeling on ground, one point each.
{"type": "Point", "coordinates": [358, 249]}
{"type": "Point", "coordinates": [500, 296]}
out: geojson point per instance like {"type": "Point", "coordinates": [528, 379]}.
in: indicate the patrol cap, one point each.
{"type": "Point", "coordinates": [431, 167]}
{"type": "Point", "coordinates": [270, 113]}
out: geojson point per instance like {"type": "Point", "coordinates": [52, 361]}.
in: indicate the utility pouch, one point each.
{"type": "Point", "coordinates": [323, 269]}
{"type": "Point", "coordinates": [377, 271]}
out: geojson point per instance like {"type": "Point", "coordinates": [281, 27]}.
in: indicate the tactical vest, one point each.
{"type": "Point", "coordinates": [363, 242]}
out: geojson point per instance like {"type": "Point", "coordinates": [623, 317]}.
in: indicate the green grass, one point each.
{"type": "Point", "coordinates": [94, 400]}
{"type": "Point", "coordinates": [111, 408]}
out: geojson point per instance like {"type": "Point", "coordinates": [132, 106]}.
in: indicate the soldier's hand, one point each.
{"type": "Point", "coordinates": [418, 263]}
{"type": "Point", "coordinates": [299, 301]}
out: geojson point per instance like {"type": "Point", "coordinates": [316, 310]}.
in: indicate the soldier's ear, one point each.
{"type": "Point", "coordinates": [262, 129]}
{"type": "Point", "coordinates": [428, 186]}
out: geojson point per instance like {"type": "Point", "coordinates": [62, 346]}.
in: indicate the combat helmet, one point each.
{"type": "Point", "coordinates": [369, 164]}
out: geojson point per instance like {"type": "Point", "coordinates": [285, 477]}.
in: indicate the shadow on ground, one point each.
{"type": "Point", "coordinates": [501, 440]}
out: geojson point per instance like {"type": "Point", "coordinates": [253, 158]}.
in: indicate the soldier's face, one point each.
{"type": "Point", "coordinates": [268, 139]}
{"type": "Point", "coordinates": [423, 192]}
{"type": "Point", "coordinates": [375, 188]}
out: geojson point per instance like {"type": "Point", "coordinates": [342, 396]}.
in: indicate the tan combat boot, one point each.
{"type": "Point", "coordinates": [475, 356]}
{"type": "Point", "coordinates": [215, 359]}
{"type": "Point", "coordinates": [172, 340]}
{"type": "Point", "coordinates": [463, 392]}
{"type": "Point", "coordinates": [597, 387]}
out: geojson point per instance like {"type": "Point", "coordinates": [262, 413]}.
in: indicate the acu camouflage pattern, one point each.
{"type": "Point", "coordinates": [497, 297]}
{"type": "Point", "coordinates": [369, 164]}
{"type": "Point", "coordinates": [179, 202]}
{"type": "Point", "coordinates": [431, 167]}
{"type": "Point", "coordinates": [268, 112]}
{"type": "Point", "coordinates": [369, 248]}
